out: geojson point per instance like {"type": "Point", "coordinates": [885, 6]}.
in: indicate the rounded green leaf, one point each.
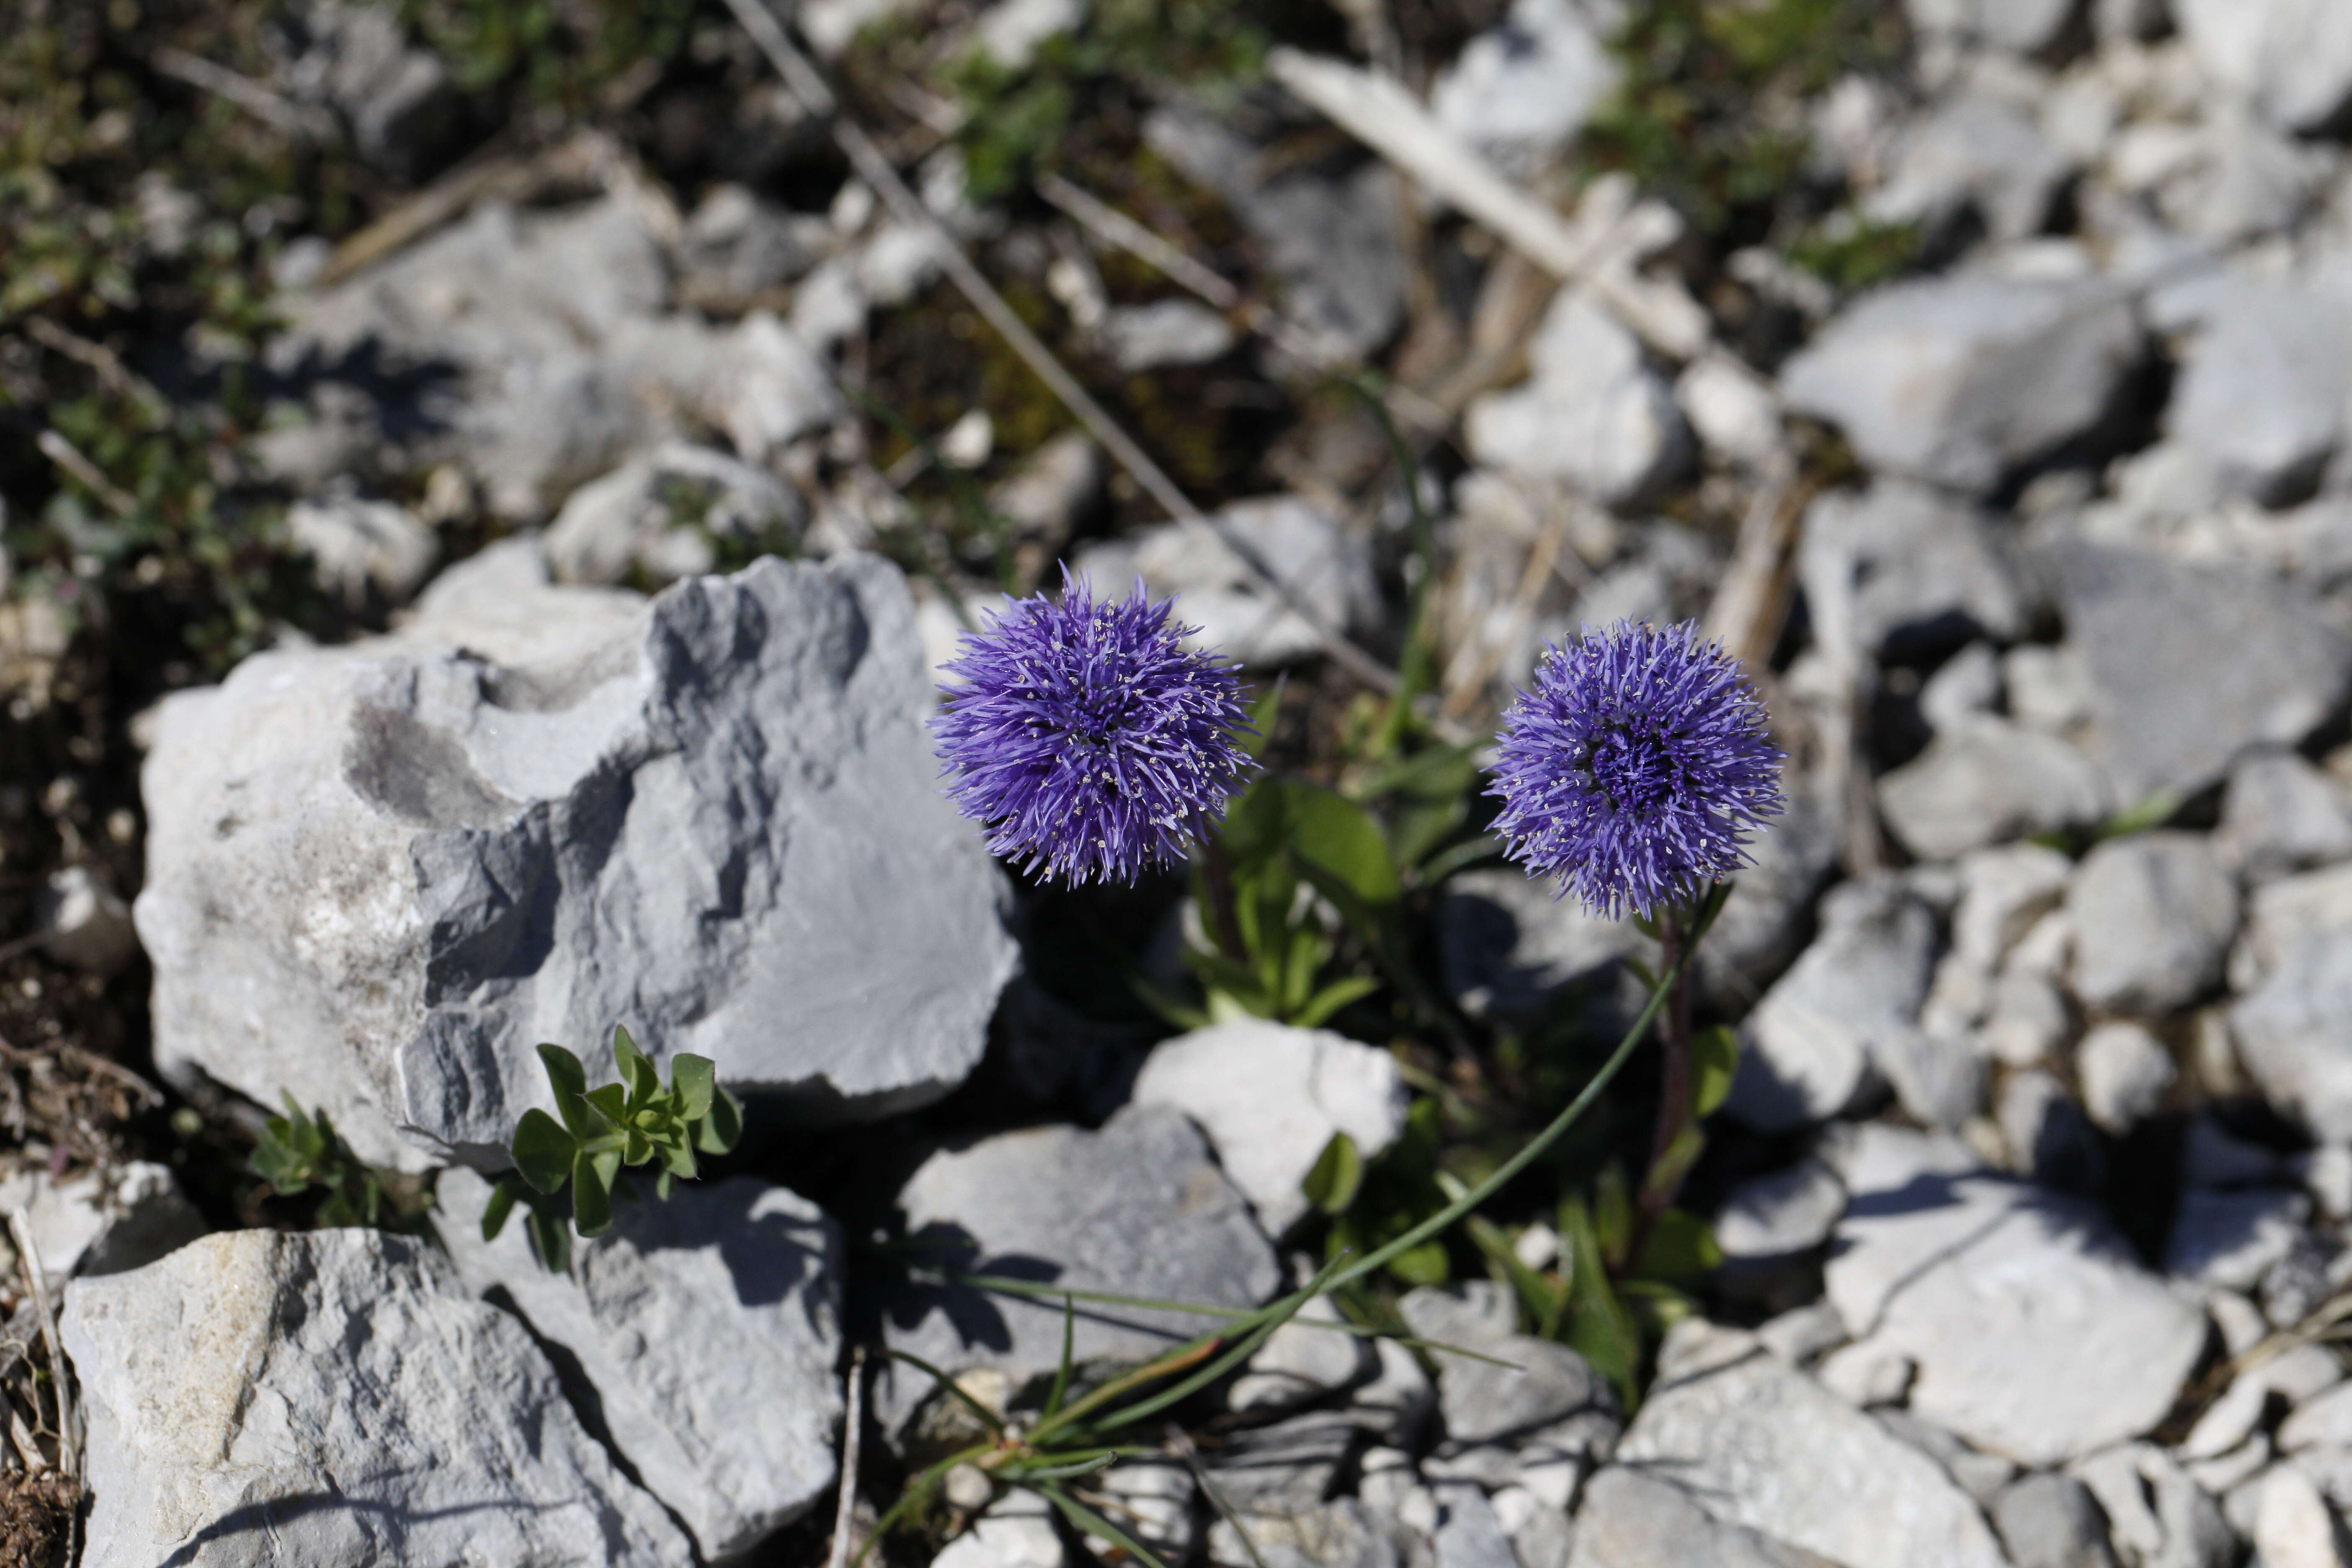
{"type": "Point", "coordinates": [723, 1128]}
{"type": "Point", "coordinates": [1337, 1175]}
{"type": "Point", "coordinates": [543, 1151]}
{"type": "Point", "coordinates": [563, 1070]}
{"type": "Point", "coordinates": [591, 1193]}
{"type": "Point", "coordinates": [695, 1078]}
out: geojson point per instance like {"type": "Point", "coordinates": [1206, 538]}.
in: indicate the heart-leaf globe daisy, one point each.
{"type": "Point", "coordinates": [1086, 737]}
{"type": "Point", "coordinates": [1637, 769]}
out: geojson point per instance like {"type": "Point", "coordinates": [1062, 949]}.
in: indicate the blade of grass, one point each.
{"type": "Point", "coordinates": [1709, 907]}
{"type": "Point", "coordinates": [1093, 1523]}
{"type": "Point", "coordinates": [988, 1418]}
{"type": "Point", "coordinates": [1062, 1373]}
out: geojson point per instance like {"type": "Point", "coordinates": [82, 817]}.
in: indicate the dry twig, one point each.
{"type": "Point", "coordinates": [802, 80]}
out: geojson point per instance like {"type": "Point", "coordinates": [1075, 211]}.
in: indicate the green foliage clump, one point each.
{"type": "Point", "coordinates": [1016, 120]}
{"type": "Point", "coordinates": [1852, 253]}
{"type": "Point", "coordinates": [569, 55]}
{"type": "Point", "coordinates": [637, 1121]}
{"type": "Point", "coordinates": [1710, 110]}
{"type": "Point", "coordinates": [181, 548]}
{"type": "Point", "coordinates": [300, 1154]}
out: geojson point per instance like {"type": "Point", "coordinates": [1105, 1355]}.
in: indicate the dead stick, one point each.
{"type": "Point", "coordinates": [801, 79]}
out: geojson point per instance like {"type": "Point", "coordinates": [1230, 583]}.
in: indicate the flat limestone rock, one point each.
{"type": "Point", "coordinates": [335, 1399]}
{"type": "Point", "coordinates": [1138, 1208]}
{"type": "Point", "coordinates": [2035, 1331]}
{"type": "Point", "coordinates": [2191, 668]}
{"type": "Point", "coordinates": [1270, 1098]}
{"type": "Point", "coordinates": [1632, 1519]}
{"type": "Point", "coordinates": [378, 875]}
{"type": "Point", "coordinates": [708, 1324]}
{"type": "Point", "coordinates": [1960, 379]}
{"type": "Point", "coordinates": [1758, 1444]}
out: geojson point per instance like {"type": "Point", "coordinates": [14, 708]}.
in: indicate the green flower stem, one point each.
{"type": "Point", "coordinates": [1674, 1106]}
{"type": "Point", "coordinates": [1709, 906]}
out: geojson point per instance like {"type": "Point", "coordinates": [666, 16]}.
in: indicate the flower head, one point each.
{"type": "Point", "coordinates": [1090, 742]}
{"type": "Point", "coordinates": [1636, 769]}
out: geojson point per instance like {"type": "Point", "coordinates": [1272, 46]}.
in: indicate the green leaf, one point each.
{"type": "Point", "coordinates": [1254, 831]}
{"type": "Point", "coordinates": [694, 1077]}
{"type": "Point", "coordinates": [2152, 812]}
{"type": "Point", "coordinates": [1337, 1175]}
{"type": "Point", "coordinates": [563, 1070]}
{"type": "Point", "coordinates": [1344, 839]}
{"type": "Point", "coordinates": [612, 1102]}
{"type": "Point", "coordinates": [1715, 1062]}
{"type": "Point", "coordinates": [640, 1078]}
{"type": "Point", "coordinates": [1333, 997]}
{"type": "Point", "coordinates": [550, 1241]}
{"type": "Point", "coordinates": [543, 1151]}
{"type": "Point", "coordinates": [677, 1160]}
{"type": "Point", "coordinates": [502, 1202]}
{"type": "Point", "coordinates": [1613, 1211]}
{"type": "Point", "coordinates": [591, 1193]}
{"type": "Point", "coordinates": [1424, 1265]}
{"type": "Point", "coordinates": [721, 1131]}
{"type": "Point", "coordinates": [1599, 1328]}
{"type": "Point", "coordinates": [1681, 1248]}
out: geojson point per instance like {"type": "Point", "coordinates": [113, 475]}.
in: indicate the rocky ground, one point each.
{"type": "Point", "coordinates": [486, 489]}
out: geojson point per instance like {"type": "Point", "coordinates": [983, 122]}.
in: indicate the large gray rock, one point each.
{"type": "Point", "coordinates": [1139, 1208]}
{"type": "Point", "coordinates": [707, 1326]}
{"type": "Point", "coordinates": [1520, 92]}
{"type": "Point", "coordinates": [536, 351]}
{"type": "Point", "coordinates": [378, 875]}
{"type": "Point", "coordinates": [1962, 379]}
{"type": "Point", "coordinates": [1986, 781]}
{"type": "Point", "coordinates": [2153, 916]}
{"type": "Point", "coordinates": [1847, 1008]}
{"type": "Point", "coordinates": [1271, 1096]}
{"type": "Point", "coordinates": [2294, 1034]}
{"type": "Point", "coordinates": [1593, 413]}
{"type": "Point", "coordinates": [1632, 1520]}
{"type": "Point", "coordinates": [2293, 59]}
{"type": "Point", "coordinates": [2262, 390]}
{"type": "Point", "coordinates": [2191, 668]}
{"type": "Point", "coordinates": [2034, 1331]}
{"type": "Point", "coordinates": [1756, 1443]}
{"type": "Point", "coordinates": [335, 1400]}
{"type": "Point", "coordinates": [1931, 573]}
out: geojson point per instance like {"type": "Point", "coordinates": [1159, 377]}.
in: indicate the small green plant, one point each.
{"type": "Point", "coordinates": [298, 1153]}
{"type": "Point", "coordinates": [637, 1121]}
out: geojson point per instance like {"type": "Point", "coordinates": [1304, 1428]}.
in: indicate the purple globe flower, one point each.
{"type": "Point", "coordinates": [1636, 769]}
{"type": "Point", "coordinates": [1089, 741]}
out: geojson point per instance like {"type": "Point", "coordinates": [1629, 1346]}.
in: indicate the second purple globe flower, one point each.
{"type": "Point", "coordinates": [1637, 768]}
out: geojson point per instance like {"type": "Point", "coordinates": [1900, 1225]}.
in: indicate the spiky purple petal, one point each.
{"type": "Point", "coordinates": [1636, 769]}
{"type": "Point", "coordinates": [1089, 741]}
